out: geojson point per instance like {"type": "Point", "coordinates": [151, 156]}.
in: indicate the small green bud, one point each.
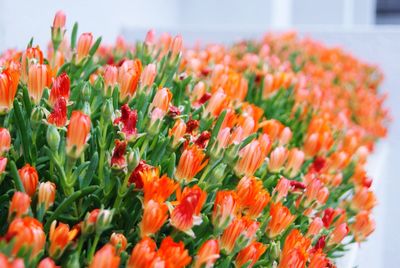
{"type": "Point", "coordinates": [107, 110]}
{"type": "Point", "coordinates": [133, 159]}
{"type": "Point", "coordinates": [53, 137]}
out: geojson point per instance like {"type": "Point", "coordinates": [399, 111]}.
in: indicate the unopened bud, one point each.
{"type": "Point", "coordinates": [275, 250]}
{"type": "Point", "coordinates": [107, 110]}
{"type": "Point", "coordinates": [133, 159]}
{"type": "Point", "coordinates": [53, 137]}
{"type": "Point", "coordinates": [218, 174]}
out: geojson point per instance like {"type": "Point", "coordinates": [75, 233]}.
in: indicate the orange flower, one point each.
{"type": "Point", "coordinates": [319, 260]}
{"type": "Point", "coordinates": [315, 191]}
{"type": "Point", "coordinates": [176, 46]}
{"type": "Point", "coordinates": [158, 189]}
{"type": "Point", "coordinates": [208, 254]}
{"type": "Point", "coordinates": [224, 209]}
{"type": "Point", "coordinates": [128, 78]}
{"type": "Point", "coordinates": [148, 75]}
{"type": "Point", "coordinates": [281, 189]}
{"type": "Point", "coordinates": [177, 132]}
{"type": "Point", "coordinates": [154, 216]}
{"type": "Point", "coordinates": [338, 234]}
{"type": "Point", "coordinates": [16, 263]}
{"type": "Point", "coordinates": [27, 232]}
{"type": "Point", "coordinates": [186, 213]}
{"type": "Point", "coordinates": [364, 199]}
{"type": "Point", "coordinates": [3, 164]}
{"type": "Point", "coordinates": [281, 218]}
{"type": "Point", "coordinates": [59, 238]}
{"type": "Point", "coordinates": [161, 100]}
{"type": "Point", "coordinates": [5, 141]}
{"type": "Point", "coordinates": [110, 78]}
{"type": "Point", "coordinates": [252, 156]}
{"type": "Point", "coordinates": [119, 242]}
{"type": "Point", "coordinates": [47, 194]}
{"type": "Point", "coordinates": [29, 178]}
{"type": "Point", "coordinates": [143, 254]}
{"type": "Point", "coordinates": [294, 162]}
{"type": "Point", "coordinates": [77, 133]}
{"type": "Point", "coordinates": [31, 56]}
{"type": "Point", "coordinates": [8, 87]}
{"type": "Point", "coordinates": [19, 205]}
{"type": "Point", "coordinates": [38, 80]}
{"type": "Point", "coordinates": [106, 257]}
{"type": "Point", "coordinates": [190, 163]}
{"type": "Point", "coordinates": [277, 158]}
{"type": "Point", "coordinates": [294, 253]}
{"type": "Point", "coordinates": [216, 104]}
{"type": "Point", "coordinates": [248, 256]}
{"type": "Point", "coordinates": [174, 254]}
{"type": "Point", "coordinates": [363, 226]}
{"type": "Point", "coordinates": [84, 44]}
{"type": "Point", "coordinates": [315, 227]}
{"type": "Point", "coordinates": [238, 234]}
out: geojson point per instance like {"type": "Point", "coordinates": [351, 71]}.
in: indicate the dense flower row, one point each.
{"type": "Point", "coordinates": [151, 155]}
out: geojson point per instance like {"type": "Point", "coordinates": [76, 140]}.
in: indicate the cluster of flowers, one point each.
{"type": "Point", "coordinates": [151, 155]}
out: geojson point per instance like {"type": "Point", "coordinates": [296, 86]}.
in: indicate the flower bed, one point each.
{"type": "Point", "coordinates": [151, 155]}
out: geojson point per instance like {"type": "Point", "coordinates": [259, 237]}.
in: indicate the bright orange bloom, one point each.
{"type": "Point", "coordinates": [338, 234]}
{"type": "Point", "coordinates": [252, 156]}
{"type": "Point", "coordinates": [364, 199]}
{"type": "Point", "coordinates": [128, 78]}
{"type": "Point", "coordinates": [315, 191]}
{"type": "Point", "coordinates": [319, 260]}
{"type": "Point", "coordinates": [188, 209]}
{"type": "Point", "coordinates": [281, 189]}
{"type": "Point", "coordinates": [208, 254]}
{"type": "Point", "coordinates": [174, 254]}
{"type": "Point", "coordinates": [225, 206]}
{"type": "Point", "coordinates": [272, 128]}
{"type": "Point", "coordinates": [59, 238]}
{"type": "Point", "coordinates": [154, 216]}
{"type": "Point", "coordinates": [84, 44]}
{"type": "Point", "coordinates": [216, 104]}
{"type": "Point", "coordinates": [29, 178]}
{"type": "Point", "coordinates": [31, 56]}
{"type": "Point", "coordinates": [19, 205]}
{"type": "Point", "coordinates": [158, 189]}
{"type": "Point", "coordinates": [143, 254]}
{"type": "Point", "coordinates": [8, 86]}
{"type": "Point", "coordinates": [119, 241]}
{"type": "Point", "coordinates": [47, 263]}
{"type": "Point", "coordinates": [250, 254]}
{"type": "Point", "coordinates": [161, 100]}
{"type": "Point", "coordinates": [190, 163]}
{"type": "Point", "coordinates": [47, 194]}
{"type": "Point", "coordinates": [281, 218]}
{"type": "Point", "coordinates": [5, 141]}
{"type": "Point", "coordinates": [294, 253]}
{"type": "Point", "coordinates": [238, 234]}
{"type": "Point", "coordinates": [110, 77]}
{"type": "Point", "coordinates": [27, 232]}
{"type": "Point", "coordinates": [77, 133]}
{"type": "Point", "coordinates": [363, 226]}
{"type": "Point", "coordinates": [38, 80]}
{"type": "Point", "coordinates": [106, 257]}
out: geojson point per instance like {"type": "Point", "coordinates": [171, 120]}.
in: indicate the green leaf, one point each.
{"type": "Point", "coordinates": [73, 35]}
{"type": "Point", "coordinates": [95, 46]}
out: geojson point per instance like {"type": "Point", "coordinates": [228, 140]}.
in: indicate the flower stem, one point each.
{"type": "Point", "coordinates": [121, 192]}
{"type": "Point", "coordinates": [94, 246]}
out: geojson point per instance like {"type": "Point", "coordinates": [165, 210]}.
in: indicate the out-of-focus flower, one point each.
{"type": "Point", "coordinates": [216, 103]}
{"type": "Point", "coordinates": [363, 226]}
{"type": "Point", "coordinates": [8, 86]}
{"type": "Point", "coordinates": [294, 253]}
{"type": "Point", "coordinates": [225, 206]}
{"type": "Point", "coordinates": [338, 234]}
{"type": "Point", "coordinates": [207, 254]}
{"type": "Point", "coordinates": [161, 100]}
{"type": "Point", "coordinates": [106, 257]}
{"type": "Point", "coordinates": [319, 260]}
{"type": "Point", "coordinates": [5, 141]}
{"type": "Point", "coordinates": [177, 132]}
{"type": "Point", "coordinates": [238, 234]}
{"type": "Point", "coordinates": [19, 205]}
{"type": "Point", "coordinates": [29, 178]}
{"type": "Point", "coordinates": [277, 158]}
{"type": "Point", "coordinates": [315, 227]}
{"type": "Point", "coordinates": [364, 199]}
{"type": "Point", "coordinates": [174, 254]}
{"type": "Point", "coordinates": [110, 78]}
{"type": "Point", "coordinates": [47, 263]}
{"type": "Point", "coordinates": [281, 189]}
{"type": "Point", "coordinates": [176, 46]}
{"type": "Point", "coordinates": [30, 56]}
{"type": "Point", "coordinates": [143, 254]}
{"type": "Point", "coordinates": [84, 44]}
{"type": "Point", "coordinates": [248, 256]}
{"type": "Point", "coordinates": [77, 133]}
{"type": "Point", "coordinates": [294, 162]}
{"type": "Point", "coordinates": [148, 75]}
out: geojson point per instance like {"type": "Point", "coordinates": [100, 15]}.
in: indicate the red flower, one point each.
{"type": "Point", "coordinates": [128, 121]}
{"type": "Point", "coordinates": [58, 116]}
{"type": "Point", "coordinates": [118, 158]}
{"type": "Point", "coordinates": [136, 176]}
{"type": "Point", "coordinates": [60, 88]}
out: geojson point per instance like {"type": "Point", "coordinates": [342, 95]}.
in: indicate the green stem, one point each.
{"type": "Point", "coordinates": [68, 202]}
{"type": "Point", "coordinates": [121, 192]}
{"type": "Point", "coordinates": [15, 176]}
{"type": "Point", "coordinates": [144, 147]}
{"type": "Point", "coordinates": [102, 151]}
{"type": "Point", "coordinates": [94, 246]}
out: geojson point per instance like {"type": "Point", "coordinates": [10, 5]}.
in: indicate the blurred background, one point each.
{"type": "Point", "coordinates": [370, 29]}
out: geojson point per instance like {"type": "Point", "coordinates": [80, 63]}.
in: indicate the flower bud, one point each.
{"type": "Point", "coordinates": [104, 219]}
{"type": "Point", "coordinates": [119, 242]}
{"type": "Point", "coordinates": [105, 257]}
{"type": "Point", "coordinates": [57, 31]}
{"type": "Point", "coordinates": [84, 44]}
{"type": "Point", "coordinates": [315, 227]}
{"type": "Point", "coordinates": [133, 159]}
{"type": "Point", "coordinates": [338, 234]}
{"type": "Point", "coordinates": [275, 250]}
{"type": "Point", "coordinates": [89, 224]}
{"type": "Point", "coordinates": [218, 173]}
{"type": "Point", "coordinates": [77, 133]}
{"type": "Point", "coordinates": [47, 194]}
{"type": "Point", "coordinates": [29, 178]}
{"type": "Point", "coordinates": [3, 164]}
{"type": "Point", "coordinates": [110, 79]}
{"type": "Point", "coordinates": [38, 79]}
{"type": "Point", "coordinates": [107, 110]}
{"type": "Point", "coordinates": [19, 205]}
{"type": "Point", "coordinates": [177, 132]}
{"type": "Point", "coordinates": [53, 138]}
{"type": "Point", "coordinates": [5, 141]}
{"type": "Point", "coordinates": [148, 75]}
